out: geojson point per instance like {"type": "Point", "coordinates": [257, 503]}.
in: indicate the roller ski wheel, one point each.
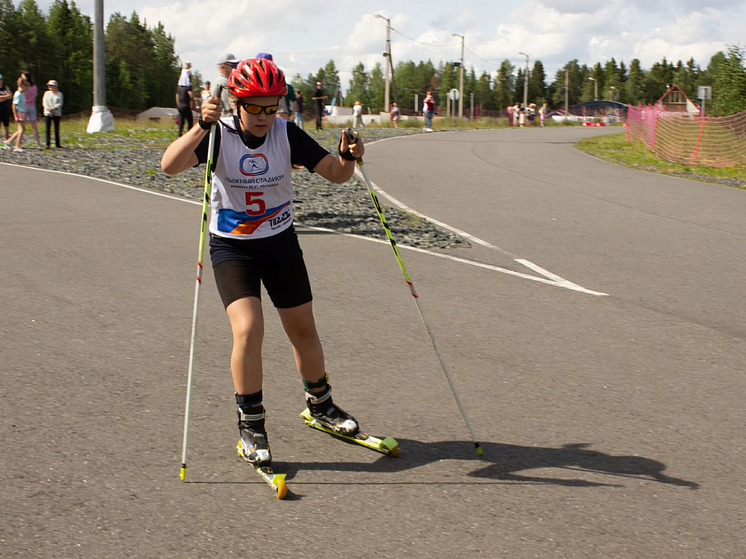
{"type": "Point", "coordinates": [387, 446]}
{"type": "Point", "coordinates": [274, 480]}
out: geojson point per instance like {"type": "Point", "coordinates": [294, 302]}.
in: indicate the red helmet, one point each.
{"type": "Point", "coordinates": [257, 77]}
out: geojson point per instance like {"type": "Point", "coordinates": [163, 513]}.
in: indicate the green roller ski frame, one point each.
{"type": "Point", "coordinates": [275, 481]}
{"type": "Point", "coordinates": [387, 446]}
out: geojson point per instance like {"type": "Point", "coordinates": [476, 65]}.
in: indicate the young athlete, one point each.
{"type": "Point", "coordinates": [252, 239]}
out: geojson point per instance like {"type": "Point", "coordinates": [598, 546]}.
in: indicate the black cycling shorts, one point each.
{"type": "Point", "coordinates": [241, 266]}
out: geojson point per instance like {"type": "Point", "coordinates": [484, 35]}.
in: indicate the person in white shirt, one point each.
{"type": "Point", "coordinates": [52, 103]}
{"type": "Point", "coordinates": [357, 115]}
{"type": "Point", "coordinates": [185, 78]}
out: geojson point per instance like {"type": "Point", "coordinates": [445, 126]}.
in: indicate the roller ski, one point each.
{"type": "Point", "coordinates": [253, 447]}
{"type": "Point", "coordinates": [323, 415]}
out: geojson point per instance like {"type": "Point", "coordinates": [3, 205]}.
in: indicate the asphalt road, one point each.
{"type": "Point", "coordinates": [595, 333]}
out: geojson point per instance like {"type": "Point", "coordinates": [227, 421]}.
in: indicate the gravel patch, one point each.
{"type": "Point", "coordinates": [318, 203]}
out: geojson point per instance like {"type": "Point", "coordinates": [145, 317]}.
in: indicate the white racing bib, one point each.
{"type": "Point", "coordinates": [252, 191]}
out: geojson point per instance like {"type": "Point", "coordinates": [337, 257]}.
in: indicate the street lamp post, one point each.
{"type": "Point", "coordinates": [461, 79]}
{"type": "Point", "coordinates": [387, 56]}
{"type": "Point", "coordinates": [595, 88]}
{"type": "Point", "coordinates": [101, 118]}
{"type": "Point", "coordinates": [525, 82]}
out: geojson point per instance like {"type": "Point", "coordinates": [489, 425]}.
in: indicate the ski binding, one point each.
{"type": "Point", "coordinates": [387, 446]}
{"type": "Point", "coordinates": [275, 481]}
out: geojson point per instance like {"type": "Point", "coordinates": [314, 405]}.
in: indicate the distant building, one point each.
{"type": "Point", "coordinates": [675, 100]}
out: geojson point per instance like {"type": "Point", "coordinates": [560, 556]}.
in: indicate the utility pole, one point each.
{"type": "Point", "coordinates": [101, 118]}
{"type": "Point", "coordinates": [567, 91]}
{"type": "Point", "coordinates": [525, 83]}
{"type": "Point", "coordinates": [461, 79]}
{"type": "Point", "coordinates": [387, 56]}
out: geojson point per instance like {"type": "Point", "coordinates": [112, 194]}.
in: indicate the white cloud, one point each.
{"type": "Point", "coordinates": [303, 36]}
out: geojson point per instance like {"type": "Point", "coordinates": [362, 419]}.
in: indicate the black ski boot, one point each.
{"type": "Point", "coordinates": [254, 445]}
{"type": "Point", "coordinates": [324, 411]}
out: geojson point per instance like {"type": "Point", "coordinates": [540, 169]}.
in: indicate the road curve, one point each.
{"type": "Point", "coordinates": [611, 424]}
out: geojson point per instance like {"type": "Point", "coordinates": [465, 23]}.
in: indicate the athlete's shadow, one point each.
{"type": "Point", "coordinates": [505, 462]}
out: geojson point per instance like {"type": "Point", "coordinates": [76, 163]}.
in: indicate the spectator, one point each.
{"type": "Point", "coordinates": [395, 115]}
{"type": "Point", "coordinates": [6, 102]}
{"type": "Point", "coordinates": [206, 93]}
{"type": "Point", "coordinates": [285, 108]}
{"type": "Point", "coordinates": [543, 113]}
{"type": "Point", "coordinates": [357, 115]}
{"type": "Point", "coordinates": [185, 78]}
{"type": "Point", "coordinates": [299, 110]}
{"type": "Point", "coordinates": [52, 103]}
{"type": "Point", "coordinates": [30, 116]}
{"type": "Point", "coordinates": [290, 99]}
{"type": "Point", "coordinates": [226, 63]}
{"type": "Point", "coordinates": [19, 114]}
{"type": "Point", "coordinates": [429, 110]}
{"type": "Point", "coordinates": [319, 97]}
{"type": "Point", "coordinates": [185, 98]}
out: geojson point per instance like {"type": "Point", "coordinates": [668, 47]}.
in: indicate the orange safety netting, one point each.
{"type": "Point", "coordinates": [690, 138]}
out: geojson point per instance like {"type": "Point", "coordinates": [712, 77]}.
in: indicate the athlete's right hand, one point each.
{"type": "Point", "coordinates": [211, 110]}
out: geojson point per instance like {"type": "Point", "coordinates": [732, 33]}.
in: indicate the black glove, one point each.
{"type": "Point", "coordinates": [351, 139]}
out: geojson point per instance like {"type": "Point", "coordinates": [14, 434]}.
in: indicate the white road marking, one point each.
{"type": "Point", "coordinates": [553, 279]}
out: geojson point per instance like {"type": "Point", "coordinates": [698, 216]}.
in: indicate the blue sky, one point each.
{"type": "Point", "coordinates": [305, 35]}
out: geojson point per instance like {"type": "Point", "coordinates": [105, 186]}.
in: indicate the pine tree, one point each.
{"type": "Point", "coordinates": [72, 55]}
{"type": "Point", "coordinates": [504, 85]}
{"type": "Point", "coordinates": [729, 84]}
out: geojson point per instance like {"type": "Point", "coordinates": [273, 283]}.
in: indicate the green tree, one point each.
{"type": "Point", "coordinates": [129, 59]}
{"type": "Point", "coordinates": [613, 79]}
{"type": "Point", "coordinates": [449, 80]}
{"type": "Point", "coordinates": [358, 87]}
{"type": "Point", "coordinates": [332, 83]}
{"type": "Point", "coordinates": [376, 88]}
{"type": "Point", "coordinates": [575, 76]}
{"type": "Point", "coordinates": [72, 55]}
{"type": "Point", "coordinates": [717, 61]}
{"type": "Point", "coordinates": [519, 94]}
{"type": "Point", "coordinates": [504, 85]}
{"type": "Point", "coordinates": [729, 84]}
{"type": "Point", "coordinates": [9, 25]}
{"type": "Point", "coordinates": [406, 81]}
{"type": "Point", "coordinates": [160, 81]}
{"type": "Point", "coordinates": [593, 82]}
{"type": "Point", "coordinates": [537, 87]}
{"type": "Point", "coordinates": [483, 97]}
{"type": "Point", "coordinates": [658, 80]}
{"type": "Point", "coordinates": [33, 43]}
{"type": "Point", "coordinates": [686, 77]}
{"type": "Point", "coordinates": [634, 88]}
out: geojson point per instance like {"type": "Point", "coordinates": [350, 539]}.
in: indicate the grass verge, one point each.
{"type": "Point", "coordinates": [615, 149]}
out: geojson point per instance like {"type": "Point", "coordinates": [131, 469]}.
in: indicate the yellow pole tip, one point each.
{"type": "Point", "coordinates": [479, 448]}
{"type": "Point", "coordinates": [182, 474]}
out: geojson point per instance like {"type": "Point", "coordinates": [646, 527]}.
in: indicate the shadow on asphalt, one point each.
{"type": "Point", "coordinates": [503, 462]}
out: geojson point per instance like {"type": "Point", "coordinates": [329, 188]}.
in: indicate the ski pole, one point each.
{"type": "Point", "coordinates": [198, 283]}
{"type": "Point", "coordinates": [382, 217]}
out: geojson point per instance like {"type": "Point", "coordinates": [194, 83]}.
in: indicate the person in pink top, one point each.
{"type": "Point", "coordinates": [31, 94]}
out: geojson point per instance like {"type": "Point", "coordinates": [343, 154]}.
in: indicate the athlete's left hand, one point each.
{"type": "Point", "coordinates": [356, 147]}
